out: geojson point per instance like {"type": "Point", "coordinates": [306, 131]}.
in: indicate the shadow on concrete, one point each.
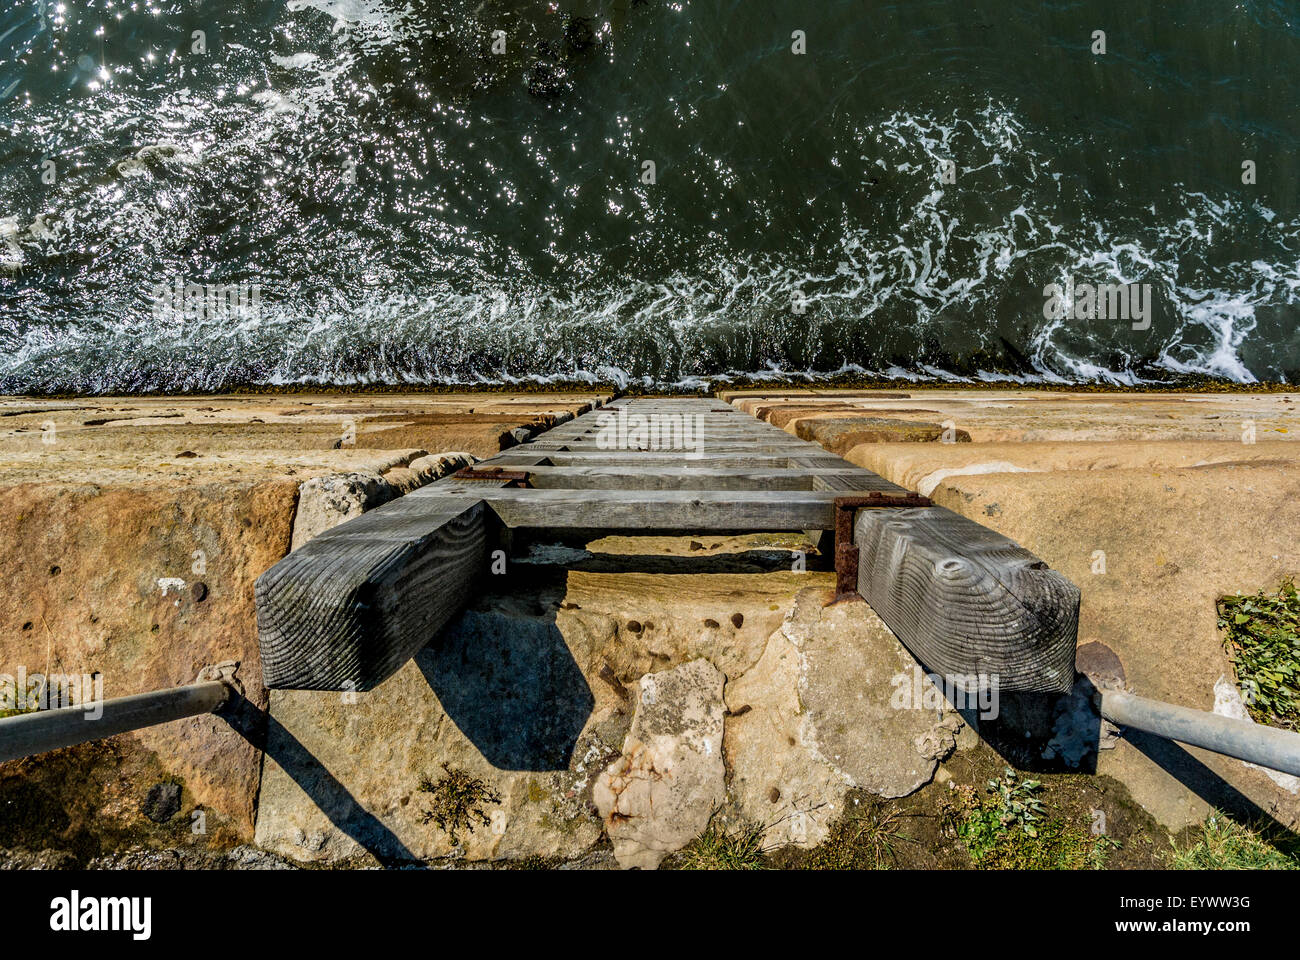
{"type": "Point", "coordinates": [510, 684]}
{"type": "Point", "coordinates": [745, 561]}
{"type": "Point", "coordinates": [333, 799]}
{"type": "Point", "coordinates": [1043, 732]}
{"type": "Point", "coordinates": [1181, 764]}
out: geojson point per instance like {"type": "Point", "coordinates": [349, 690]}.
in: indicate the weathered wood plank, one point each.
{"type": "Point", "coordinates": [814, 460]}
{"type": "Point", "coordinates": [753, 446]}
{"type": "Point", "coordinates": [703, 478]}
{"type": "Point", "coordinates": [573, 458]}
{"type": "Point", "coordinates": [670, 403]}
{"type": "Point", "coordinates": [597, 437]}
{"type": "Point", "coordinates": [823, 479]}
{"type": "Point", "coordinates": [966, 600]}
{"type": "Point", "coordinates": [348, 608]}
{"type": "Point", "coordinates": [691, 423]}
{"type": "Point", "coordinates": [516, 458]}
{"type": "Point", "coordinates": [756, 510]}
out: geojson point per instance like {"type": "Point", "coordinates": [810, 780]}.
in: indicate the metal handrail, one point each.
{"type": "Point", "coordinates": [43, 730]}
{"type": "Point", "coordinates": [1242, 739]}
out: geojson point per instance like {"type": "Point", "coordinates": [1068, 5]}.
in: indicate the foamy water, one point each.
{"type": "Point", "coordinates": [414, 209]}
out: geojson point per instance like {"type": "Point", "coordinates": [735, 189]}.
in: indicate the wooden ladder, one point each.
{"type": "Point", "coordinates": [348, 608]}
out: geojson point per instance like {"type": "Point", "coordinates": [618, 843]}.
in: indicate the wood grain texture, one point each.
{"type": "Point", "coordinates": [701, 478]}
{"type": "Point", "coordinates": [345, 610]}
{"type": "Point", "coordinates": [647, 509]}
{"type": "Point", "coordinates": [866, 481]}
{"type": "Point", "coordinates": [966, 600]}
{"type": "Point", "coordinates": [578, 458]}
{"type": "Point", "coordinates": [789, 447]}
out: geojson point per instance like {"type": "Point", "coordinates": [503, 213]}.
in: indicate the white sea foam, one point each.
{"type": "Point", "coordinates": [934, 276]}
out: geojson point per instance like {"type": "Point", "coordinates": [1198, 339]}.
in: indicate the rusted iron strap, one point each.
{"type": "Point", "coordinates": [846, 553]}
{"type": "Point", "coordinates": [511, 478]}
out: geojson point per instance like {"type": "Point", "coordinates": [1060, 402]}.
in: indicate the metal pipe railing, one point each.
{"type": "Point", "coordinates": [1252, 742]}
{"type": "Point", "coordinates": [42, 730]}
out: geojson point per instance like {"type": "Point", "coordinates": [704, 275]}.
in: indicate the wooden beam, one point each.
{"type": "Point", "coordinates": [823, 479]}
{"type": "Point", "coordinates": [596, 438]}
{"type": "Point", "coordinates": [966, 600]}
{"type": "Point", "coordinates": [599, 441]}
{"type": "Point", "coordinates": [349, 607]}
{"type": "Point", "coordinates": [710, 429]}
{"type": "Point", "coordinates": [573, 458]}
{"type": "Point", "coordinates": [752, 477]}
{"type": "Point", "coordinates": [756, 510]}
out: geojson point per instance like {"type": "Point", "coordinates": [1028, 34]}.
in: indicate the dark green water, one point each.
{"type": "Point", "coordinates": [414, 208]}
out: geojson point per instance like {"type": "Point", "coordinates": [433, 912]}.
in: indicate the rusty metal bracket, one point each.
{"type": "Point", "coordinates": [511, 478]}
{"type": "Point", "coordinates": [846, 553]}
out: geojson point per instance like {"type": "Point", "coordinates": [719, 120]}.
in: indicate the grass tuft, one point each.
{"type": "Point", "coordinates": [718, 848]}
{"type": "Point", "coordinates": [864, 840]}
{"type": "Point", "coordinates": [1224, 844]}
